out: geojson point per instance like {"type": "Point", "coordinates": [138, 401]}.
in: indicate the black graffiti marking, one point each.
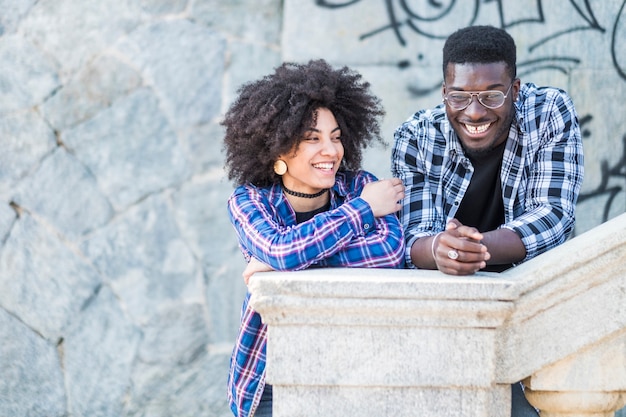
{"type": "Point", "coordinates": [400, 14]}
{"type": "Point", "coordinates": [549, 63]}
{"type": "Point", "coordinates": [606, 173]}
{"type": "Point", "coordinates": [616, 28]}
{"type": "Point", "coordinates": [395, 24]}
{"type": "Point", "coordinates": [332, 5]}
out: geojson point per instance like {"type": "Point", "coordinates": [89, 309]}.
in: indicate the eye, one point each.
{"type": "Point", "coordinates": [492, 95]}
{"type": "Point", "coordinates": [458, 97]}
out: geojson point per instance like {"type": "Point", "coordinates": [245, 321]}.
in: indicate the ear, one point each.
{"type": "Point", "coordinates": [516, 87]}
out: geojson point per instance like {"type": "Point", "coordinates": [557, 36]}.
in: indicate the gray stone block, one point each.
{"type": "Point", "coordinates": [7, 219]}
{"type": "Point", "coordinates": [130, 148]}
{"type": "Point", "coordinates": [201, 213]}
{"type": "Point", "coordinates": [258, 21]}
{"type": "Point", "coordinates": [190, 390]}
{"type": "Point", "coordinates": [75, 31]}
{"type": "Point", "coordinates": [27, 75]}
{"type": "Point", "coordinates": [25, 140]}
{"type": "Point", "coordinates": [43, 282]}
{"type": "Point", "coordinates": [99, 350]}
{"type": "Point", "coordinates": [177, 334]}
{"type": "Point", "coordinates": [149, 264]}
{"type": "Point", "coordinates": [249, 62]}
{"type": "Point", "coordinates": [12, 13]}
{"type": "Point", "coordinates": [93, 89]}
{"type": "Point", "coordinates": [31, 381]}
{"type": "Point", "coordinates": [202, 146]}
{"type": "Point", "coordinates": [66, 194]}
{"type": "Point", "coordinates": [163, 7]}
{"type": "Point", "coordinates": [185, 75]}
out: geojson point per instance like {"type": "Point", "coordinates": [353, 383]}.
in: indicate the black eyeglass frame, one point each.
{"type": "Point", "coordinates": [478, 94]}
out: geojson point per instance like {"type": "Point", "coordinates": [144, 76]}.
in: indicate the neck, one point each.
{"type": "Point", "coordinates": [303, 195]}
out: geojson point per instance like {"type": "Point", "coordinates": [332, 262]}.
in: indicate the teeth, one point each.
{"type": "Point", "coordinates": [477, 129]}
{"type": "Point", "coordinates": [323, 166]}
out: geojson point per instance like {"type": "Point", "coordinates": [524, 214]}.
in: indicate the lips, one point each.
{"type": "Point", "coordinates": [476, 130]}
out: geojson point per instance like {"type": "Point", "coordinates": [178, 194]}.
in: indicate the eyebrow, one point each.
{"type": "Point", "coordinates": [489, 87]}
{"type": "Point", "coordinates": [312, 129]}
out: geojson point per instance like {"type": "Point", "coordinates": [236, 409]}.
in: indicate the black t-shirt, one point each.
{"type": "Point", "coordinates": [308, 215]}
{"type": "Point", "coordinates": [482, 206]}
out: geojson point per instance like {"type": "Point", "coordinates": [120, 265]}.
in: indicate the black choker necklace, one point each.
{"type": "Point", "coordinates": [303, 195]}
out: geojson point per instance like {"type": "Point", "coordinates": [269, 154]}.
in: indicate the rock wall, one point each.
{"type": "Point", "coordinates": [120, 285]}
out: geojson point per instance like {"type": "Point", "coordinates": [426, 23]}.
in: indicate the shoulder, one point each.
{"type": "Point", "coordinates": [248, 192]}
{"type": "Point", "coordinates": [434, 116]}
{"type": "Point", "coordinates": [348, 181]}
{"type": "Point", "coordinates": [531, 95]}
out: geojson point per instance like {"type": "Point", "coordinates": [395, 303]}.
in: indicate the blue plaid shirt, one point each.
{"type": "Point", "coordinates": [541, 174]}
{"type": "Point", "coordinates": [347, 235]}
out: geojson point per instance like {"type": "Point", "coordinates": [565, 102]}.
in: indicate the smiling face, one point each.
{"type": "Point", "coordinates": [479, 128]}
{"type": "Point", "coordinates": [312, 166]}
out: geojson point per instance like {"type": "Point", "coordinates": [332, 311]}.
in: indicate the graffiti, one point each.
{"type": "Point", "coordinates": [435, 20]}
{"type": "Point", "coordinates": [431, 19]}
{"type": "Point", "coordinates": [608, 189]}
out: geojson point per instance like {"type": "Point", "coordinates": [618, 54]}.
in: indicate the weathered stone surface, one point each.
{"type": "Point", "coordinates": [203, 146]}
{"type": "Point", "coordinates": [99, 350]}
{"type": "Point", "coordinates": [254, 62]}
{"type": "Point", "coordinates": [93, 89]}
{"type": "Point", "coordinates": [25, 140]}
{"type": "Point", "coordinates": [12, 12]}
{"type": "Point", "coordinates": [189, 390]}
{"type": "Point", "coordinates": [148, 262]}
{"type": "Point", "coordinates": [27, 75]}
{"type": "Point", "coordinates": [175, 335]}
{"type": "Point", "coordinates": [130, 148]}
{"type": "Point", "coordinates": [31, 380]}
{"type": "Point", "coordinates": [258, 22]}
{"type": "Point", "coordinates": [65, 193]}
{"type": "Point", "coordinates": [186, 76]}
{"type": "Point", "coordinates": [43, 282]}
{"type": "Point", "coordinates": [7, 219]}
{"type": "Point", "coordinates": [74, 31]}
{"type": "Point", "coordinates": [163, 7]}
{"type": "Point", "coordinates": [211, 237]}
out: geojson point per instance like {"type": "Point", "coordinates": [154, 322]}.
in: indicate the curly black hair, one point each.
{"type": "Point", "coordinates": [270, 117]}
{"type": "Point", "coordinates": [482, 45]}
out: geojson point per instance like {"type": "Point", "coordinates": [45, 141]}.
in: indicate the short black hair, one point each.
{"type": "Point", "coordinates": [480, 45]}
{"type": "Point", "coordinates": [270, 117]}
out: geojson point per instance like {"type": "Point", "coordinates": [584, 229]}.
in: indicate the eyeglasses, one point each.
{"type": "Point", "coordinates": [492, 99]}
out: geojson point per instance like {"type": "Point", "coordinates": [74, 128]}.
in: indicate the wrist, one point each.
{"type": "Point", "coordinates": [432, 247]}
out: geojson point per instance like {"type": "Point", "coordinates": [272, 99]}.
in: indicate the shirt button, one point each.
{"type": "Point", "coordinates": [366, 226]}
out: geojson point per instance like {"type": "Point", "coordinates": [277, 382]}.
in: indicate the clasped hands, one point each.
{"type": "Point", "coordinates": [459, 250]}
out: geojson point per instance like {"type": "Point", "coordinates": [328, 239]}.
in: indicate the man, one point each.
{"type": "Point", "coordinates": [493, 173]}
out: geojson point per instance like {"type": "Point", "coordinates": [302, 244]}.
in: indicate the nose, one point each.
{"type": "Point", "coordinates": [329, 147]}
{"type": "Point", "coordinates": [475, 109]}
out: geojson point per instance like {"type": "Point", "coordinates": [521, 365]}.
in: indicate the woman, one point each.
{"type": "Point", "coordinates": [294, 142]}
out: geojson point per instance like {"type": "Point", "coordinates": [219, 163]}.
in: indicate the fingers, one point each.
{"type": "Point", "coordinates": [253, 267]}
{"type": "Point", "coordinates": [456, 255]}
{"type": "Point", "coordinates": [463, 231]}
{"type": "Point", "coordinates": [384, 196]}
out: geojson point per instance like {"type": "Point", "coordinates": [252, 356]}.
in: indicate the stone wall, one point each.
{"type": "Point", "coordinates": [120, 283]}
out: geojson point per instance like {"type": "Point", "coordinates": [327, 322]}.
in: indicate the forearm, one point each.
{"type": "Point", "coordinates": [421, 253]}
{"type": "Point", "coordinates": [504, 246]}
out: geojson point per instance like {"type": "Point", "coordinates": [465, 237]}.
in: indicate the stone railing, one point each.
{"type": "Point", "coordinates": [368, 342]}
